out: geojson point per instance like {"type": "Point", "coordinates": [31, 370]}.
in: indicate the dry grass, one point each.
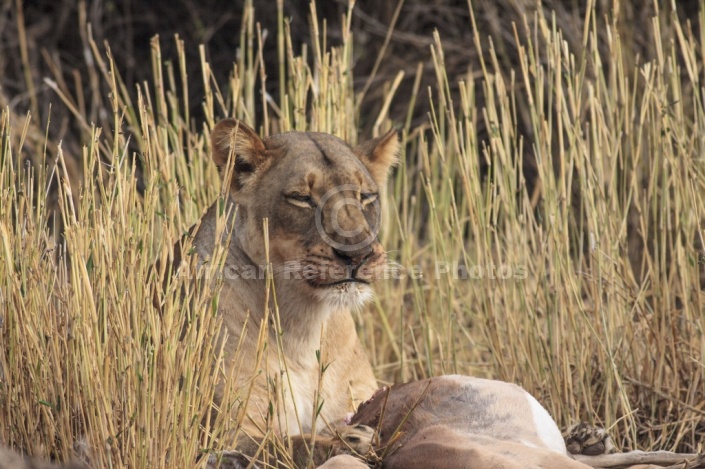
{"type": "Point", "coordinates": [600, 316]}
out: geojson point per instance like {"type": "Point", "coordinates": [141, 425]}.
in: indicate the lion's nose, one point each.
{"type": "Point", "coordinates": [355, 259]}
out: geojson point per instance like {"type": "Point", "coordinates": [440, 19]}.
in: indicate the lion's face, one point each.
{"type": "Point", "coordinates": [321, 198]}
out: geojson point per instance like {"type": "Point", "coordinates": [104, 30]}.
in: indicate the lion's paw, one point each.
{"type": "Point", "coordinates": [354, 439]}
{"type": "Point", "coordinates": [229, 460]}
{"type": "Point", "coordinates": [588, 440]}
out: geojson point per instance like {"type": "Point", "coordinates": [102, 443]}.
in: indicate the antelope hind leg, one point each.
{"type": "Point", "coordinates": [645, 460]}
{"type": "Point", "coordinates": [593, 446]}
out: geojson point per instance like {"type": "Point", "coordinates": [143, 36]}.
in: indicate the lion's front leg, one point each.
{"type": "Point", "coordinates": [344, 461]}
{"type": "Point", "coordinates": [347, 447]}
{"type": "Point", "coordinates": [229, 460]}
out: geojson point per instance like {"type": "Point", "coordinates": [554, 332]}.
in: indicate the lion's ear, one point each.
{"type": "Point", "coordinates": [379, 155]}
{"type": "Point", "coordinates": [231, 137]}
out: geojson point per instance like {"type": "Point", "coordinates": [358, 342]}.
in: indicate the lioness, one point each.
{"type": "Point", "coordinates": [321, 199]}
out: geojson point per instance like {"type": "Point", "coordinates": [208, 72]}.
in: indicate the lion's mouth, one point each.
{"type": "Point", "coordinates": [339, 282]}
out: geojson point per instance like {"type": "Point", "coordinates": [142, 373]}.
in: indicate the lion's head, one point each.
{"type": "Point", "coordinates": [322, 201]}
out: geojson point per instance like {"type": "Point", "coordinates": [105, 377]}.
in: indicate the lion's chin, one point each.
{"type": "Point", "coordinates": [351, 295]}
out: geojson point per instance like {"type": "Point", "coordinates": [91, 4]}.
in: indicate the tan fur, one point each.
{"type": "Point", "coordinates": [270, 180]}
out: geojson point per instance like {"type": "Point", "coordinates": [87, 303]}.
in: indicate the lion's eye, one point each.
{"type": "Point", "coordinates": [301, 200]}
{"type": "Point", "coordinates": [367, 199]}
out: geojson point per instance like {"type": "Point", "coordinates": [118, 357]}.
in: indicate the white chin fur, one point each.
{"type": "Point", "coordinates": [347, 295]}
